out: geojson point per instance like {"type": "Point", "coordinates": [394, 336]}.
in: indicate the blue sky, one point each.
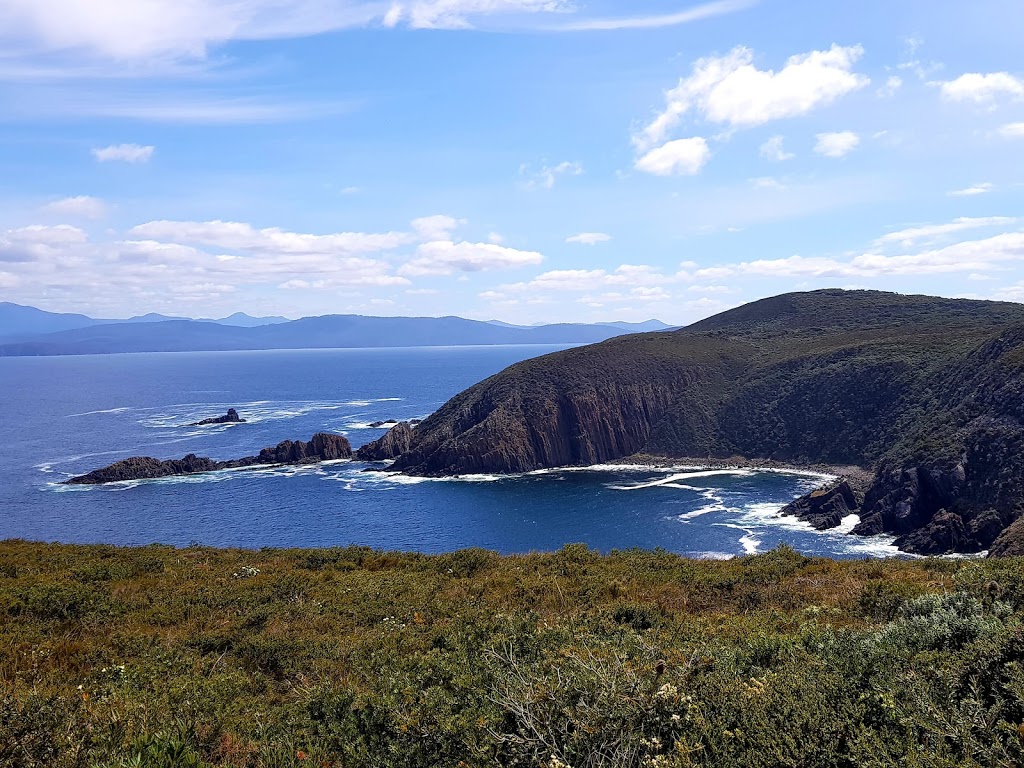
{"type": "Point", "coordinates": [526, 160]}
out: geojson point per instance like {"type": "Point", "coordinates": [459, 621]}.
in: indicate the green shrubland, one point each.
{"type": "Point", "coordinates": [155, 656]}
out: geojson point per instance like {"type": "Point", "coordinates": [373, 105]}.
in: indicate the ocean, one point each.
{"type": "Point", "coordinates": [62, 416]}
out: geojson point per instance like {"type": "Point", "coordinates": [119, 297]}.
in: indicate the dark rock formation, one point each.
{"type": "Point", "coordinates": [825, 507]}
{"type": "Point", "coordinates": [1010, 542]}
{"type": "Point", "coordinates": [927, 393]}
{"type": "Point", "coordinates": [231, 417]}
{"type": "Point", "coordinates": [321, 447]}
{"type": "Point", "coordinates": [396, 442]}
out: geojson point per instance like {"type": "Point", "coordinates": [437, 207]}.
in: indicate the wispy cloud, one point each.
{"type": "Point", "coordinates": [697, 13]}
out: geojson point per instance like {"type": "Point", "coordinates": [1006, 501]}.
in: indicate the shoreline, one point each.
{"type": "Point", "coordinates": [857, 475]}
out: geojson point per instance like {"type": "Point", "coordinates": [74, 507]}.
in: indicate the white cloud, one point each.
{"type": "Point", "coordinates": [79, 205]}
{"type": "Point", "coordinates": [546, 177]}
{"type": "Point", "coordinates": [837, 144]}
{"type": "Point", "coordinates": [1012, 130]}
{"type": "Point", "coordinates": [457, 14]}
{"type": "Point", "coordinates": [972, 256]}
{"type": "Point", "coordinates": [7, 280]}
{"type": "Point", "coordinates": [681, 157]}
{"type": "Point", "coordinates": [933, 231]}
{"type": "Point", "coordinates": [444, 257]}
{"type": "Point", "coordinates": [127, 153]}
{"type": "Point", "coordinates": [589, 238]}
{"type": "Point", "coordinates": [982, 89]}
{"type": "Point", "coordinates": [698, 13]}
{"type": "Point", "coordinates": [436, 227]}
{"type": "Point", "coordinates": [974, 189]}
{"type": "Point", "coordinates": [768, 182]}
{"type": "Point", "coordinates": [563, 280]}
{"type": "Point", "coordinates": [731, 90]}
{"type": "Point", "coordinates": [774, 149]}
{"type": "Point", "coordinates": [37, 242]}
{"type": "Point", "coordinates": [891, 87]}
{"type": "Point", "coordinates": [238, 236]}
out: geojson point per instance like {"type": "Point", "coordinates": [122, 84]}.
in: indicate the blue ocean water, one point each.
{"type": "Point", "coordinates": [61, 416]}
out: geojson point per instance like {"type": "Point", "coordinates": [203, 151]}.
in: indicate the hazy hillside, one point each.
{"type": "Point", "coordinates": [310, 332]}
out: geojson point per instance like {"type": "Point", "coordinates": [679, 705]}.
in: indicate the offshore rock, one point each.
{"type": "Point", "coordinates": [321, 447]}
{"type": "Point", "coordinates": [825, 508]}
{"type": "Point", "coordinates": [396, 442]}
{"type": "Point", "coordinates": [231, 417]}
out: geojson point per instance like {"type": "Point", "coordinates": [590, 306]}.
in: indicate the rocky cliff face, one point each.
{"type": "Point", "coordinates": [321, 447]}
{"type": "Point", "coordinates": [929, 393]}
{"type": "Point", "coordinates": [397, 441]}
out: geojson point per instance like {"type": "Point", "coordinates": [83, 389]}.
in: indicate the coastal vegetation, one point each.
{"type": "Point", "coordinates": [155, 656]}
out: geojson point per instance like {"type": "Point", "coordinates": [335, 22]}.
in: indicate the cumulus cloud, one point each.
{"type": "Point", "coordinates": [37, 242]}
{"type": "Point", "coordinates": [444, 257]}
{"type": "Point", "coordinates": [125, 153]}
{"type": "Point", "coordinates": [80, 206]}
{"type": "Point", "coordinates": [589, 238]}
{"type": "Point", "coordinates": [982, 88]}
{"type": "Point", "coordinates": [774, 149]}
{"type": "Point", "coordinates": [1012, 130]}
{"type": "Point", "coordinates": [681, 157]}
{"type": "Point", "coordinates": [837, 144]}
{"type": "Point", "coordinates": [546, 176]}
{"type": "Point", "coordinates": [567, 280]}
{"type": "Point", "coordinates": [242, 237]}
{"type": "Point", "coordinates": [931, 232]}
{"type": "Point", "coordinates": [731, 90]}
{"type": "Point", "coordinates": [436, 227]}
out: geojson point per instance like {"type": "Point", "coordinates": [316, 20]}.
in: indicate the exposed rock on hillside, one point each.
{"type": "Point", "coordinates": [231, 417]}
{"type": "Point", "coordinates": [396, 442]}
{"type": "Point", "coordinates": [321, 447]}
{"type": "Point", "coordinates": [926, 392]}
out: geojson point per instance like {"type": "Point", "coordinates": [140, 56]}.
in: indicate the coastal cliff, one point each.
{"type": "Point", "coordinates": [321, 447]}
{"type": "Point", "coordinates": [924, 392]}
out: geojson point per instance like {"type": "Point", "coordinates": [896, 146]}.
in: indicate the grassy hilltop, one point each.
{"type": "Point", "coordinates": [162, 657]}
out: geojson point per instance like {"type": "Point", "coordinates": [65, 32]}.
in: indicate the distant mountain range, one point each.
{"type": "Point", "coordinates": [30, 331]}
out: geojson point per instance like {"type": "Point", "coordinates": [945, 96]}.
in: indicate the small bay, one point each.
{"type": "Point", "coordinates": [62, 416]}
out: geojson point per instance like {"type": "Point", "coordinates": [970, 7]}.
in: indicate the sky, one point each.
{"type": "Point", "coordinates": [522, 160]}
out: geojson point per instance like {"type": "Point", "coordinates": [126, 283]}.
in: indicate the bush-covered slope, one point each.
{"type": "Point", "coordinates": [925, 390]}
{"type": "Point", "coordinates": [349, 658]}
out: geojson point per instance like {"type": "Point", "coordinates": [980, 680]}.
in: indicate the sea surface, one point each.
{"type": "Point", "coordinates": [61, 416]}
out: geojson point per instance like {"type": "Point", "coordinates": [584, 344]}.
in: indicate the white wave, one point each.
{"type": "Point", "coordinates": [706, 510]}
{"type": "Point", "coordinates": [368, 425]}
{"type": "Point", "coordinates": [750, 543]}
{"type": "Point", "coordinates": [711, 555]}
{"type": "Point", "coordinates": [671, 480]}
{"type": "Point", "coordinates": [847, 524]}
{"type": "Point", "coordinates": [122, 409]}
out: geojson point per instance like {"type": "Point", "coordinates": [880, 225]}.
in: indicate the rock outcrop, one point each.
{"type": "Point", "coordinates": [926, 393]}
{"type": "Point", "coordinates": [231, 417]}
{"type": "Point", "coordinates": [396, 442]}
{"type": "Point", "coordinates": [321, 447]}
{"type": "Point", "coordinates": [826, 507]}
